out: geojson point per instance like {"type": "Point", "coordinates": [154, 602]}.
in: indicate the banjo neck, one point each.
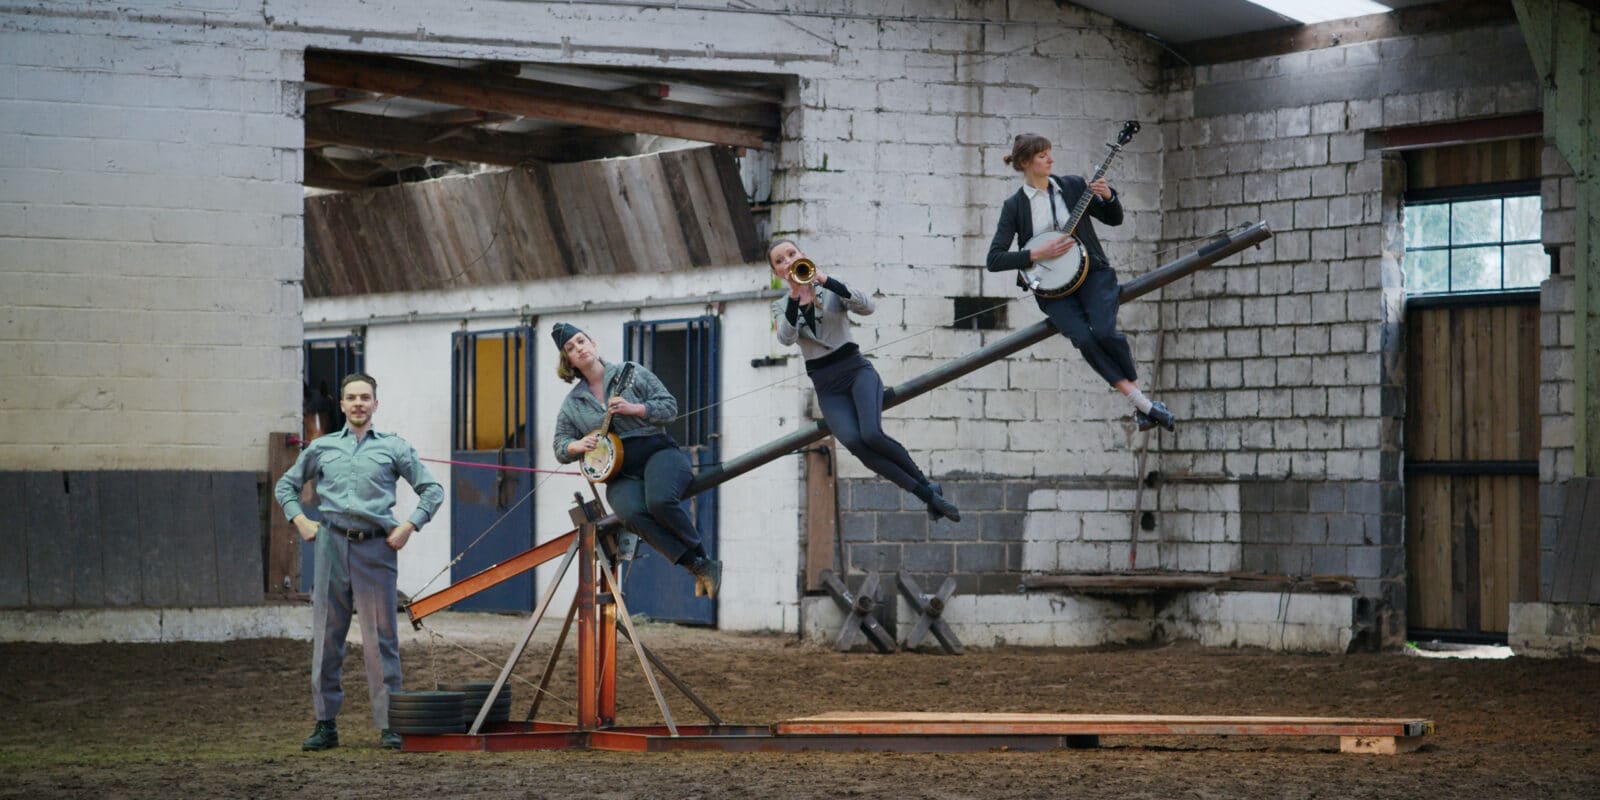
{"type": "Point", "coordinates": [1083, 201]}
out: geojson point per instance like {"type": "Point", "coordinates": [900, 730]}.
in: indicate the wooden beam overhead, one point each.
{"type": "Point", "coordinates": [490, 92]}
{"type": "Point", "coordinates": [444, 142]}
{"type": "Point", "coordinates": [672, 81]}
{"type": "Point", "coordinates": [460, 116]}
{"type": "Point", "coordinates": [337, 96]}
{"type": "Point", "coordinates": [320, 174]}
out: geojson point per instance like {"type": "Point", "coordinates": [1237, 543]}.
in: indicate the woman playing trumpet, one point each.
{"type": "Point", "coordinates": [815, 313]}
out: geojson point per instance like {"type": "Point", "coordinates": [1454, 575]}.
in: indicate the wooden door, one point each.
{"type": "Point", "coordinates": [1472, 470]}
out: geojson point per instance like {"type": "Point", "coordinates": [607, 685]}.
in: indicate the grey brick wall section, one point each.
{"type": "Point", "coordinates": [886, 529]}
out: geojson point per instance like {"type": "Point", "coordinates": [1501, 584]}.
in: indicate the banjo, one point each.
{"type": "Point", "coordinates": [1062, 275]}
{"type": "Point", "coordinates": [602, 463]}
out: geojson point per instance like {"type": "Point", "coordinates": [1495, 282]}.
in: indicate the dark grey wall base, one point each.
{"type": "Point", "coordinates": [131, 538]}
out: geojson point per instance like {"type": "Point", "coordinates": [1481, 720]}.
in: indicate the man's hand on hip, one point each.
{"type": "Point", "coordinates": [401, 534]}
{"type": "Point", "coordinates": [306, 526]}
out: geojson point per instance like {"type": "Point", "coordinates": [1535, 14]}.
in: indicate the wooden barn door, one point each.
{"type": "Point", "coordinates": [1472, 470]}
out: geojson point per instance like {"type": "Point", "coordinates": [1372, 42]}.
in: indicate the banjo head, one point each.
{"type": "Point", "coordinates": [1063, 274]}
{"type": "Point", "coordinates": [597, 463]}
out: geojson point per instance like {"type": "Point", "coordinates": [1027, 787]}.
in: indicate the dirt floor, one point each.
{"type": "Point", "coordinates": [226, 720]}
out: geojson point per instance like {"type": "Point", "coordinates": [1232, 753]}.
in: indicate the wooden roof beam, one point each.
{"type": "Point", "coordinates": [337, 96]}
{"type": "Point", "coordinates": [490, 92]}
{"type": "Point", "coordinates": [321, 174]}
{"type": "Point", "coordinates": [444, 142]}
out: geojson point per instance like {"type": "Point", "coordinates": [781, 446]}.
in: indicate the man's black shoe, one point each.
{"type": "Point", "coordinates": [389, 740]}
{"type": "Point", "coordinates": [324, 737]}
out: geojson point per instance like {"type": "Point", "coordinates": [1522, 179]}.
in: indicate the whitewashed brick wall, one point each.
{"type": "Point", "coordinates": [150, 240]}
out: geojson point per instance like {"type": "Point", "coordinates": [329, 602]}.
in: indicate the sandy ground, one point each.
{"type": "Point", "coordinates": [226, 720]}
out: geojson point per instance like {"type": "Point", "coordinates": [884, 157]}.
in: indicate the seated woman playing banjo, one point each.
{"type": "Point", "coordinates": [1087, 316]}
{"type": "Point", "coordinates": [647, 491]}
{"type": "Point", "coordinates": [849, 390]}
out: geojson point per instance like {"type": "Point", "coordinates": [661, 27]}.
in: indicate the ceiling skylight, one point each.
{"type": "Point", "coordinates": [1309, 11]}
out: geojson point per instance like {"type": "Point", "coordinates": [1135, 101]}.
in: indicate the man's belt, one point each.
{"type": "Point", "coordinates": [355, 534]}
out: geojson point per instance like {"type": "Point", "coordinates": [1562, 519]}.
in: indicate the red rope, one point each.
{"type": "Point", "coordinates": [498, 466]}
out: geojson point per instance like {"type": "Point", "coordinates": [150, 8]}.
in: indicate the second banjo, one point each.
{"type": "Point", "coordinates": [1062, 275]}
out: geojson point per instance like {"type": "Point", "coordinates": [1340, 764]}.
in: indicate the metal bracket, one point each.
{"type": "Point", "coordinates": [930, 609]}
{"type": "Point", "coordinates": [859, 608]}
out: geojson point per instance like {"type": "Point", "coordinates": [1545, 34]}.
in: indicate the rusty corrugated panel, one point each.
{"type": "Point", "coordinates": [656, 213]}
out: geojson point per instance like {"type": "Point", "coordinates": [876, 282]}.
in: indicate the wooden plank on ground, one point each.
{"type": "Point", "coordinates": [1372, 729]}
{"type": "Point", "coordinates": [14, 545]}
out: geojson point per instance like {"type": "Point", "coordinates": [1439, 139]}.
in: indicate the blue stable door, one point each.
{"type": "Point", "coordinates": [684, 354]}
{"type": "Point", "coordinates": [492, 509]}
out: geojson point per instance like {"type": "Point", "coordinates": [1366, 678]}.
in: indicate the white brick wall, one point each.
{"type": "Point", "coordinates": [149, 243]}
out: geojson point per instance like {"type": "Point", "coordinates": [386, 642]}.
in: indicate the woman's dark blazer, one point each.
{"type": "Point", "coordinates": [1016, 224]}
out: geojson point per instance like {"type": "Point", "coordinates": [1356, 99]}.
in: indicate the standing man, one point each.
{"type": "Point", "coordinates": [357, 542]}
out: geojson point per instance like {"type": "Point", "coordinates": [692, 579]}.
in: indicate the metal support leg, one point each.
{"type": "Point", "coordinates": [516, 653]}
{"type": "Point", "coordinates": [633, 636]}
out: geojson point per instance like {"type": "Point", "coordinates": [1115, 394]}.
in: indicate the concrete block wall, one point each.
{"type": "Point", "coordinates": [150, 227]}
{"type": "Point", "coordinates": [1286, 363]}
{"type": "Point", "coordinates": [1557, 371]}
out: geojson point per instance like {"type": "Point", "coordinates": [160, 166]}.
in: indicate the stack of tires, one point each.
{"type": "Point", "coordinates": [473, 693]}
{"type": "Point", "coordinates": [419, 713]}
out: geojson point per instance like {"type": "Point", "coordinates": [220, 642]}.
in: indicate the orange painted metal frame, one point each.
{"type": "Point", "coordinates": [505, 570]}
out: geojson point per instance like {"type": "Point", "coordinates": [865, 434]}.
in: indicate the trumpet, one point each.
{"type": "Point", "coordinates": [803, 271]}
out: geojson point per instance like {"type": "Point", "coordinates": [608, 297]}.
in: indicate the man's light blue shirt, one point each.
{"type": "Point", "coordinates": [356, 480]}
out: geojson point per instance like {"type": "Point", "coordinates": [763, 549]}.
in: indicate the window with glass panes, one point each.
{"type": "Point", "coordinates": [1481, 244]}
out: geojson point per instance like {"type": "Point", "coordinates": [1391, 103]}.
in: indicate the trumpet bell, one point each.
{"type": "Point", "coordinates": [804, 270]}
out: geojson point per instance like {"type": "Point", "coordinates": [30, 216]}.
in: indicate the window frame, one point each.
{"type": "Point", "coordinates": [1449, 197]}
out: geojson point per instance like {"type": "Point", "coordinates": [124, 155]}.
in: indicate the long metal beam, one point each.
{"type": "Point", "coordinates": [1213, 251]}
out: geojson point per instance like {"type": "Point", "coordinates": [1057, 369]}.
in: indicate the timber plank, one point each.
{"type": "Point", "coordinates": [196, 539]}
{"type": "Point", "coordinates": [1589, 561]}
{"type": "Point", "coordinates": [677, 180]}
{"type": "Point", "coordinates": [1464, 591]}
{"type": "Point", "coordinates": [14, 545]}
{"type": "Point", "coordinates": [1528, 544]}
{"type": "Point", "coordinates": [120, 549]}
{"type": "Point", "coordinates": [711, 207]}
{"type": "Point", "coordinates": [1000, 724]}
{"type": "Point", "coordinates": [1493, 533]}
{"type": "Point", "coordinates": [50, 552]}
{"type": "Point", "coordinates": [239, 531]}
{"type": "Point", "coordinates": [750, 246]}
{"type": "Point", "coordinates": [159, 494]}
{"type": "Point", "coordinates": [82, 534]}
{"type": "Point", "coordinates": [1567, 539]}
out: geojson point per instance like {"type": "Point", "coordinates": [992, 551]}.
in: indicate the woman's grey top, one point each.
{"type": "Point", "coordinates": [832, 329]}
{"type": "Point", "coordinates": [581, 413]}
